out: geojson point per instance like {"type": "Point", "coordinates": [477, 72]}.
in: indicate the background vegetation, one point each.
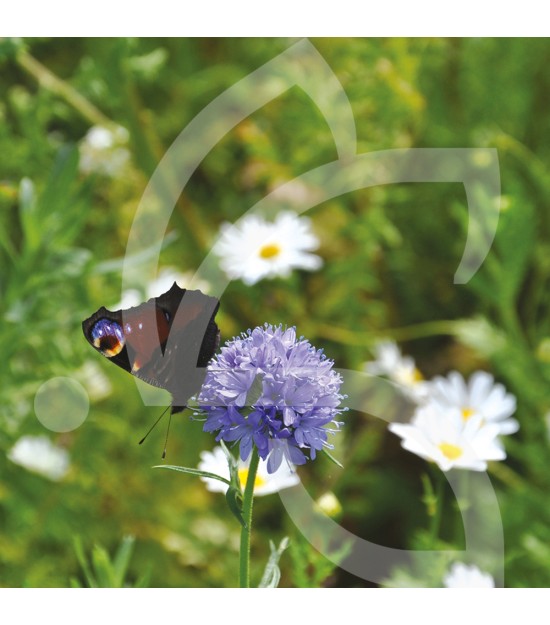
{"type": "Point", "coordinates": [390, 255]}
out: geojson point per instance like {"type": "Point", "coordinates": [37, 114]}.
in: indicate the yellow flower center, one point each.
{"type": "Point", "coordinates": [450, 451]}
{"type": "Point", "coordinates": [270, 250]}
{"type": "Point", "coordinates": [243, 476]}
{"type": "Point", "coordinates": [406, 376]}
{"type": "Point", "coordinates": [467, 413]}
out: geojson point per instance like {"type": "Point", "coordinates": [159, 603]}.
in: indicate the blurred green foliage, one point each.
{"type": "Point", "coordinates": [104, 571]}
{"type": "Point", "coordinates": [390, 254]}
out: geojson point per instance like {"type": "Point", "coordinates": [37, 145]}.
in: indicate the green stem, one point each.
{"type": "Point", "coordinates": [53, 83]}
{"type": "Point", "coordinates": [248, 500]}
{"type": "Point", "coordinates": [436, 517]}
{"type": "Point", "coordinates": [419, 330]}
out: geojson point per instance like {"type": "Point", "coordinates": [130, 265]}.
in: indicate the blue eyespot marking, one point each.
{"type": "Point", "coordinates": [107, 336]}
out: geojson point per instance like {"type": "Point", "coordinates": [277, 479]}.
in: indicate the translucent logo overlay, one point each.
{"type": "Point", "coordinates": [301, 65]}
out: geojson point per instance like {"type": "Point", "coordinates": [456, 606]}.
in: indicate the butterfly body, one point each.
{"type": "Point", "coordinates": [166, 341]}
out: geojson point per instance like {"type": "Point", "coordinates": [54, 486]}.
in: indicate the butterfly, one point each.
{"type": "Point", "coordinates": [166, 341]}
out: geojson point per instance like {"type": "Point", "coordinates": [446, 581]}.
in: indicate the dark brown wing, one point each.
{"type": "Point", "coordinates": [166, 341]}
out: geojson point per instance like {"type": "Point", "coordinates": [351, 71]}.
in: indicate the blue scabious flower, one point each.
{"type": "Point", "coordinates": [268, 388]}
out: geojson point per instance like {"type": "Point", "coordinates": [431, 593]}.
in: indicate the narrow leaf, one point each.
{"type": "Point", "coordinates": [333, 459]}
{"type": "Point", "coordinates": [83, 561]}
{"type": "Point", "coordinates": [190, 471]}
{"type": "Point", "coordinates": [122, 559]}
{"type": "Point", "coordinates": [233, 498]}
{"type": "Point", "coordinates": [233, 467]}
{"type": "Point", "coordinates": [272, 572]}
{"type": "Point", "coordinates": [143, 580]}
{"type": "Point", "coordinates": [103, 567]}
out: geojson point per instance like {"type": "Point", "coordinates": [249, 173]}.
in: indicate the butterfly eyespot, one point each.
{"type": "Point", "coordinates": [107, 337]}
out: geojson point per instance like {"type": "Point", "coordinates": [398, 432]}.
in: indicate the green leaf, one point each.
{"type": "Point", "coordinates": [10, 47]}
{"type": "Point", "coordinates": [83, 561]}
{"type": "Point", "coordinates": [429, 498]}
{"type": "Point", "coordinates": [233, 467]}
{"type": "Point", "coordinates": [479, 334]}
{"type": "Point", "coordinates": [515, 243]}
{"type": "Point", "coordinates": [190, 471]}
{"type": "Point", "coordinates": [28, 213]}
{"type": "Point", "coordinates": [333, 459]}
{"type": "Point", "coordinates": [103, 567]}
{"type": "Point", "coordinates": [234, 501]}
{"type": "Point", "coordinates": [143, 580]}
{"type": "Point", "coordinates": [57, 192]}
{"type": "Point", "coordinates": [147, 66]}
{"type": "Point", "coordinates": [272, 572]}
{"type": "Point", "coordinates": [122, 559]}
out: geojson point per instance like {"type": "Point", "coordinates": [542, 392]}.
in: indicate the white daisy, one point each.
{"type": "Point", "coordinates": [254, 249]}
{"type": "Point", "coordinates": [463, 576]}
{"type": "Point", "coordinates": [444, 438]}
{"type": "Point", "coordinates": [390, 362]}
{"type": "Point", "coordinates": [480, 396]}
{"type": "Point", "coordinates": [266, 483]}
{"type": "Point", "coordinates": [40, 455]}
{"type": "Point", "coordinates": [102, 151]}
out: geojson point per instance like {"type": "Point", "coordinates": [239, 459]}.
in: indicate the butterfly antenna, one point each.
{"type": "Point", "coordinates": [167, 432]}
{"type": "Point", "coordinates": [154, 425]}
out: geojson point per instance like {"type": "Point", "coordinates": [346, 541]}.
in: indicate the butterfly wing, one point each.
{"type": "Point", "coordinates": [166, 341]}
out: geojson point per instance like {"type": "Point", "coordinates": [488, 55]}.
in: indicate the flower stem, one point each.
{"type": "Point", "coordinates": [435, 523]}
{"type": "Point", "coordinates": [248, 499]}
{"type": "Point", "coordinates": [60, 87]}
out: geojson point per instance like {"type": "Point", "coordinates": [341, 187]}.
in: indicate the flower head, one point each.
{"type": "Point", "coordinates": [269, 389]}
{"type": "Point", "coordinates": [255, 249]}
{"type": "Point", "coordinates": [480, 396]}
{"type": "Point", "coordinates": [102, 151]}
{"type": "Point", "coordinates": [328, 504]}
{"type": "Point", "coordinates": [390, 362]}
{"type": "Point", "coordinates": [266, 483]}
{"type": "Point", "coordinates": [445, 439]}
{"type": "Point", "coordinates": [463, 576]}
{"type": "Point", "coordinates": [40, 455]}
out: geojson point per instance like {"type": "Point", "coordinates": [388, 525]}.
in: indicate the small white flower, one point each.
{"type": "Point", "coordinates": [390, 362]}
{"type": "Point", "coordinates": [255, 249]}
{"type": "Point", "coordinates": [265, 484]}
{"type": "Point", "coordinates": [40, 455]}
{"type": "Point", "coordinates": [480, 396]}
{"type": "Point", "coordinates": [444, 438]}
{"type": "Point", "coordinates": [102, 151]}
{"type": "Point", "coordinates": [97, 384]}
{"type": "Point", "coordinates": [328, 504]}
{"type": "Point", "coordinates": [463, 576]}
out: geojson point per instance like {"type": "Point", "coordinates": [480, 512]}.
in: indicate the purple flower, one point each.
{"type": "Point", "coordinates": [267, 388]}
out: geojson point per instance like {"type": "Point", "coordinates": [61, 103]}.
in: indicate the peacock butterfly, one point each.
{"type": "Point", "coordinates": [167, 341]}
